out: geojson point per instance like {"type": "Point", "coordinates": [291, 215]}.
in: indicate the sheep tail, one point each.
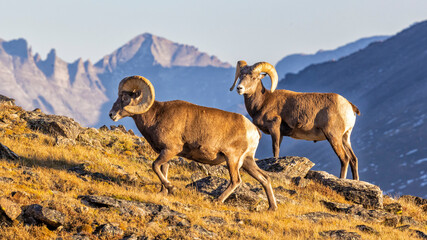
{"type": "Point", "coordinates": [355, 109]}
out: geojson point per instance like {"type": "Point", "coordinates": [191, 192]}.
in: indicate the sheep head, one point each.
{"type": "Point", "coordinates": [250, 75]}
{"type": "Point", "coordinates": [136, 95]}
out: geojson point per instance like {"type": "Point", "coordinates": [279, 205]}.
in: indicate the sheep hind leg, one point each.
{"type": "Point", "coordinates": [339, 150]}
{"type": "Point", "coordinates": [351, 155]}
{"type": "Point", "coordinates": [250, 166]}
{"type": "Point", "coordinates": [164, 168]}
{"type": "Point", "coordinates": [158, 167]}
{"type": "Point", "coordinates": [235, 180]}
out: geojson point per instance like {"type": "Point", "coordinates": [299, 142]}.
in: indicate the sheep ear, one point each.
{"type": "Point", "coordinates": [262, 75]}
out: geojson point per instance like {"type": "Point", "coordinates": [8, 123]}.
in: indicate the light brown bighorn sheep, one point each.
{"type": "Point", "coordinates": [308, 116]}
{"type": "Point", "coordinates": [205, 135]}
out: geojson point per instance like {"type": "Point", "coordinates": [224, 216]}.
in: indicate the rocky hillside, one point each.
{"type": "Point", "coordinates": [297, 62]}
{"type": "Point", "coordinates": [63, 181]}
{"type": "Point", "coordinates": [388, 82]}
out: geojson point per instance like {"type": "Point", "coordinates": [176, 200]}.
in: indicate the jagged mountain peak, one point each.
{"type": "Point", "coordinates": [150, 50]}
{"type": "Point", "coordinates": [17, 47]}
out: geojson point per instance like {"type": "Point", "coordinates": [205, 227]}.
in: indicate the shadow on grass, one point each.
{"type": "Point", "coordinates": [80, 169]}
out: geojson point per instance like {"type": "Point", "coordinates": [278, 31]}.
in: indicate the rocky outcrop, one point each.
{"type": "Point", "coordinates": [153, 211]}
{"type": "Point", "coordinates": [373, 215]}
{"type": "Point", "coordinates": [54, 125]}
{"type": "Point", "coordinates": [416, 200]}
{"type": "Point", "coordinates": [359, 192]}
{"type": "Point", "coordinates": [6, 101]}
{"type": "Point", "coordinates": [6, 153]}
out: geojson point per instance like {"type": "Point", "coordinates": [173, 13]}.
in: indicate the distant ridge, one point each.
{"type": "Point", "coordinates": [296, 62]}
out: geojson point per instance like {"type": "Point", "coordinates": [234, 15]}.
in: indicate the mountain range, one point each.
{"type": "Point", "coordinates": [296, 62]}
{"type": "Point", "coordinates": [384, 77]}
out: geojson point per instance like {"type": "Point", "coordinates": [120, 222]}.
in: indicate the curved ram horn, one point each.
{"type": "Point", "coordinates": [240, 65]}
{"type": "Point", "coordinates": [270, 70]}
{"type": "Point", "coordinates": [138, 83]}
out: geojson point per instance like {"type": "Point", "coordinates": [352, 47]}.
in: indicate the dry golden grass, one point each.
{"type": "Point", "coordinates": [51, 184]}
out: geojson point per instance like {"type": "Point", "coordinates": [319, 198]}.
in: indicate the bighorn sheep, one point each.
{"type": "Point", "coordinates": [308, 116]}
{"type": "Point", "coordinates": [202, 134]}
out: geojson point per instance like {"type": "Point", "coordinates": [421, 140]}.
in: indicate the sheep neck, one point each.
{"type": "Point", "coordinates": [146, 120]}
{"type": "Point", "coordinates": [255, 101]}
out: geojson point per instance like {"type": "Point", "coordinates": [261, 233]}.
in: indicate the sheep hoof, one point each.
{"type": "Point", "coordinates": [164, 190]}
{"type": "Point", "coordinates": [170, 190]}
{"type": "Point", "coordinates": [272, 208]}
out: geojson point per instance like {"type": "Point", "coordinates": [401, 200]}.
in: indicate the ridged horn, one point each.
{"type": "Point", "coordinates": [136, 83]}
{"type": "Point", "coordinates": [240, 65]}
{"type": "Point", "coordinates": [270, 70]}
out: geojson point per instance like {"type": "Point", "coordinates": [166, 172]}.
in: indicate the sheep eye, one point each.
{"type": "Point", "coordinates": [125, 98]}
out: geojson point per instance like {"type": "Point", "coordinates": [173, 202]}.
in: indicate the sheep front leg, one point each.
{"type": "Point", "coordinates": [160, 167]}
{"type": "Point", "coordinates": [275, 136]}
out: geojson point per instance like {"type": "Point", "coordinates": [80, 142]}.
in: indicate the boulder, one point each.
{"type": "Point", "coordinates": [52, 218]}
{"type": "Point", "coordinates": [286, 167]}
{"type": "Point", "coordinates": [9, 211]}
{"type": "Point", "coordinates": [54, 125]}
{"type": "Point", "coordinates": [340, 235]}
{"type": "Point", "coordinates": [6, 101]}
{"type": "Point", "coordinates": [359, 192]}
{"type": "Point", "coordinates": [6, 153]}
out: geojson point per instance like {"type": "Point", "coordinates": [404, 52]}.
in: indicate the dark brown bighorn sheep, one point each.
{"type": "Point", "coordinates": [205, 135]}
{"type": "Point", "coordinates": [308, 116]}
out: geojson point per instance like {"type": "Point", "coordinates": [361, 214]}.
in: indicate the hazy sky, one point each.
{"type": "Point", "coordinates": [262, 30]}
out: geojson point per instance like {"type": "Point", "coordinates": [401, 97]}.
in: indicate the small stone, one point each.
{"type": "Point", "coordinates": [408, 220]}
{"type": "Point", "coordinates": [108, 231]}
{"type": "Point", "coordinates": [130, 131]}
{"type": "Point", "coordinates": [6, 153]}
{"type": "Point", "coordinates": [317, 216]}
{"type": "Point", "coordinates": [391, 221]}
{"type": "Point", "coordinates": [6, 179]}
{"type": "Point", "coordinates": [367, 229]}
{"type": "Point", "coordinates": [300, 181]}
{"type": "Point", "coordinates": [395, 208]}
{"type": "Point", "coordinates": [419, 234]}
{"type": "Point", "coordinates": [9, 211]}
{"type": "Point", "coordinates": [214, 220]}
{"type": "Point", "coordinates": [341, 235]}
{"type": "Point", "coordinates": [52, 218]}
{"type": "Point", "coordinates": [204, 232]}
{"type": "Point", "coordinates": [403, 227]}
